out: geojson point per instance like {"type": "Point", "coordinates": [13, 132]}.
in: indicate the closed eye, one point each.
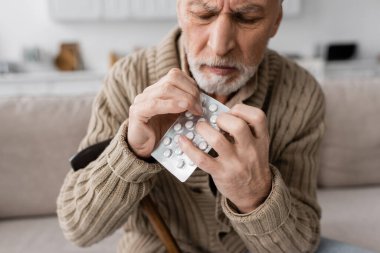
{"type": "Point", "coordinates": [241, 18]}
{"type": "Point", "coordinates": [203, 15]}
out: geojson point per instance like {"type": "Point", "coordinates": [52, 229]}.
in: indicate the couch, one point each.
{"type": "Point", "coordinates": [39, 133]}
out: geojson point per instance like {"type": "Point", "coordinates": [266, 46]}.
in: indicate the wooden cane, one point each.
{"type": "Point", "coordinates": [159, 225]}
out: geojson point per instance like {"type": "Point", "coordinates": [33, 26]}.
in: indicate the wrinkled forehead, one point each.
{"type": "Point", "coordinates": [230, 4]}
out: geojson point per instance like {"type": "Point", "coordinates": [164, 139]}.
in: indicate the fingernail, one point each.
{"type": "Point", "coordinates": [181, 140]}
{"type": "Point", "coordinates": [198, 125]}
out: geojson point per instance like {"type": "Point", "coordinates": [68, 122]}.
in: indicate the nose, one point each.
{"type": "Point", "coordinates": [222, 36]}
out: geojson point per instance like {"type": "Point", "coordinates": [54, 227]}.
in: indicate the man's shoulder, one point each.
{"type": "Point", "coordinates": [286, 74]}
{"type": "Point", "coordinates": [297, 102]}
{"type": "Point", "coordinates": [129, 72]}
{"type": "Point", "coordinates": [153, 62]}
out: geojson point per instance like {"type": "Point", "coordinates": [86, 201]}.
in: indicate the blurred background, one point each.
{"type": "Point", "coordinates": [32, 32]}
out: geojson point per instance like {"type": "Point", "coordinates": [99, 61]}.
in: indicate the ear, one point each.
{"type": "Point", "coordinates": [277, 23]}
{"type": "Point", "coordinates": [179, 13]}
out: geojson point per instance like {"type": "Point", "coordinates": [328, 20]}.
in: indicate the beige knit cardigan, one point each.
{"type": "Point", "coordinates": [104, 196]}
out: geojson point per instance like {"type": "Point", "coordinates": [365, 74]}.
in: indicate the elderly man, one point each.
{"type": "Point", "coordinates": [258, 194]}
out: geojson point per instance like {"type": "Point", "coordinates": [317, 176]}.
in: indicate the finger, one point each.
{"type": "Point", "coordinates": [176, 81]}
{"type": "Point", "coordinates": [214, 138]}
{"type": "Point", "coordinates": [171, 92]}
{"type": "Point", "coordinates": [183, 81]}
{"type": "Point", "coordinates": [255, 118]}
{"type": "Point", "coordinates": [236, 127]}
{"type": "Point", "coordinates": [179, 79]}
{"type": "Point", "coordinates": [152, 107]}
{"type": "Point", "coordinates": [201, 159]}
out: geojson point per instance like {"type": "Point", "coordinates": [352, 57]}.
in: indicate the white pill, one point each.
{"type": "Point", "coordinates": [167, 141]}
{"type": "Point", "coordinates": [188, 115]}
{"type": "Point", "coordinates": [167, 153]}
{"type": "Point", "coordinates": [180, 163]}
{"type": "Point", "coordinates": [190, 135]}
{"type": "Point", "coordinates": [177, 127]}
{"type": "Point", "coordinates": [202, 120]}
{"type": "Point", "coordinates": [213, 119]}
{"type": "Point", "coordinates": [189, 124]}
{"type": "Point", "coordinates": [213, 108]}
{"type": "Point", "coordinates": [203, 145]}
{"type": "Point", "coordinates": [178, 151]}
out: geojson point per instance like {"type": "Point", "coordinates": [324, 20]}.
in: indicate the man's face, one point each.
{"type": "Point", "coordinates": [225, 40]}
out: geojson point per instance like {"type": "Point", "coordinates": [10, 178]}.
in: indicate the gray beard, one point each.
{"type": "Point", "coordinates": [217, 84]}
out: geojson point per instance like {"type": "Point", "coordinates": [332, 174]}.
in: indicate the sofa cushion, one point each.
{"type": "Point", "coordinates": [351, 215]}
{"type": "Point", "coordinates": [350, 150]}
{"type": "Point", "coordinates": [43, 235]}
{"type": "Point", "coordinates": [38, 135]}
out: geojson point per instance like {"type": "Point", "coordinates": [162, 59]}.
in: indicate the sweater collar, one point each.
{"type": "Point", "coordinates": [171, 54]}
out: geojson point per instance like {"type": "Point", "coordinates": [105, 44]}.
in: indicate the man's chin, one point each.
{"type": "Point", "coordinates": [220, 84]}
{"type": "Point", "coordinates": [220, 79]}
{"type": "Point", "coordinates": [219, 87]}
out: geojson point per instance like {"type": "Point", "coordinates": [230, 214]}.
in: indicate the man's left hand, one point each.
{"type": "Point", "coordinates": [241, 171]}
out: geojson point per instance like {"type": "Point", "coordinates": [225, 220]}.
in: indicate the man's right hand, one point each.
{"type": "Point", "coordinates": [156, 108]}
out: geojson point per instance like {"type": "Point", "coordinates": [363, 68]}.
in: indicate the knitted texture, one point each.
{"type": "Point", "coordinates": [104, 196]}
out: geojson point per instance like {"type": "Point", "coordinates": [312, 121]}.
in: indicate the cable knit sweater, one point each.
{"type": "Point", "coordinates": [104, 196]}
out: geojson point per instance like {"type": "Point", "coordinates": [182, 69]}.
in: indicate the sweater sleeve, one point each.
{"type": "Point", "coordinates": [288, 221]}
{"type": "Point", "coordinates": [97, 200]}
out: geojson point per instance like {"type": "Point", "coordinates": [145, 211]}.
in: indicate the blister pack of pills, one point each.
{"type": "Point", "coordinates": [168, 151]}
